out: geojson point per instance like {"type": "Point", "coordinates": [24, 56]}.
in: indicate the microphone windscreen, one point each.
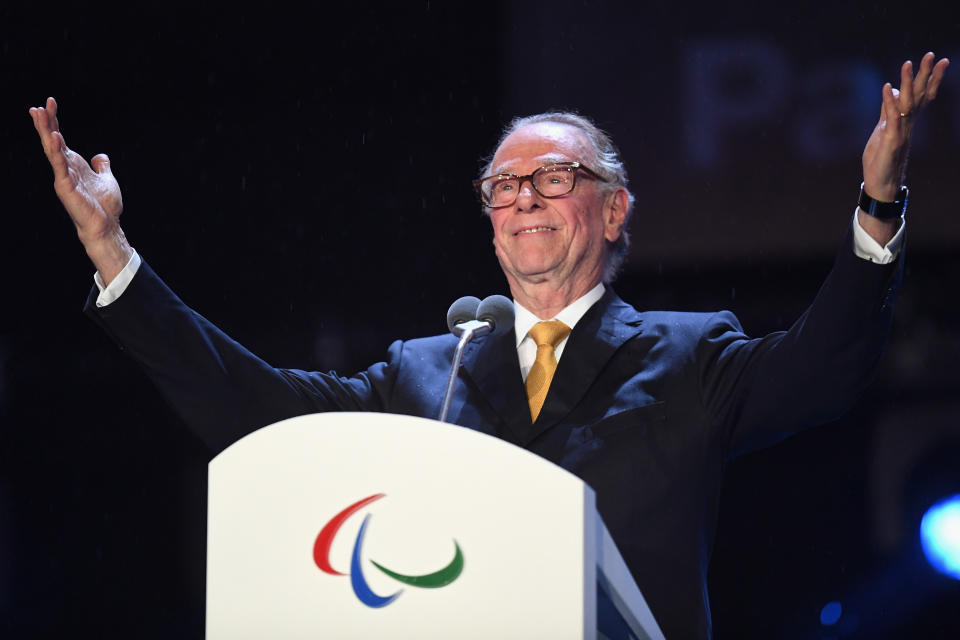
{"type": "Point", "coordinates": [498, 311]}
{"type": "Point", "coordinates": [462, 310]}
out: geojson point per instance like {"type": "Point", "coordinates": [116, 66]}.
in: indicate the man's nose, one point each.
{"type": "Point", "coordinates": [527, 197]}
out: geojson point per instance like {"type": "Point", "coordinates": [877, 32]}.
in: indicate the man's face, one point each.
{"type": "Point", "coordinates": [552, 240]}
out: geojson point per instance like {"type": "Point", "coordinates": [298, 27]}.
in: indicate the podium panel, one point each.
{"type": "Point", "coordinates": [358, 525]}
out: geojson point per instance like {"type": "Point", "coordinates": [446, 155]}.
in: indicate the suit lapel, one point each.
{"type": "Point", "coordinates": [598, 335]}
{"type": "Point", "coordinates": [492, 366]}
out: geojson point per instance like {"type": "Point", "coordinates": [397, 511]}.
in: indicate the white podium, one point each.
{"type": "Point", "coordinates": [360, 525]}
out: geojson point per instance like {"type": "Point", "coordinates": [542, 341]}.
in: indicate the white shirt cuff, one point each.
{"type": "Point", "coordinates": [119, 284]}
{"type": "Point", "coordinates": [869, 249]}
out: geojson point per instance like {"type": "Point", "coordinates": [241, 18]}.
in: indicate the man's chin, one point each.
{"type": "Point", "coordinates": [531, 267]}
{"type": "Point", "coordinates": [534, 273]}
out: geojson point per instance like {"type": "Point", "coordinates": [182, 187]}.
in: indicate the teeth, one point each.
{"type": "Point", "coordinates": [535, 229]}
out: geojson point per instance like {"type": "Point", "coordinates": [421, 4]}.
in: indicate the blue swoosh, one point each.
{"type": "Point", "coordinates": [360, 586]}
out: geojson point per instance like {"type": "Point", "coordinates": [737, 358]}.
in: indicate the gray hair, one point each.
{"type": "Point", "coordinates": [605, 162]}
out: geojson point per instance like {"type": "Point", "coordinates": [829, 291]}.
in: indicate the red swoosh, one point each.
{"type": "Point", "coordinates": [321, 548]}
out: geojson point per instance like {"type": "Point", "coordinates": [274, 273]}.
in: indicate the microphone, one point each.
{"type": "Point", "coordinates": [498, 312]}
{"type": "Point", "coordinates": [462, 310]}
{"type": "Point", "coordinates": [468, 318]}
{"type": "Point", "coordinates": [494, 316]}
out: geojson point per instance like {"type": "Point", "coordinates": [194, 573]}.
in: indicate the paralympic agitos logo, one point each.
{"type": "Point", "coordinates": [321, 555]}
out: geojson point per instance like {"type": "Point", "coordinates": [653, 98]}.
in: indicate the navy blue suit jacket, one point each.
{"type": "Point", "coordinates": [646, 407]}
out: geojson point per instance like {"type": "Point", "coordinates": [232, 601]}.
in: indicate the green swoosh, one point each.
{"type": "Point", "coordinates": [440, 578]}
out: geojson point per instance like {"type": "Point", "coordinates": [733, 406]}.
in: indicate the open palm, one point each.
{"type": "Point", "coordinates": [90, 194]}
{"type": "Point", "coordinates": [885, 156]}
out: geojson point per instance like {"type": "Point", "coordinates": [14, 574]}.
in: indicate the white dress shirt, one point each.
{"type": "Point", "coordinates": [570, 316]}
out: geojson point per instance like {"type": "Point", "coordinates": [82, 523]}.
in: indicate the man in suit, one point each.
{"type": "Point", "coordinates": [646, 407]}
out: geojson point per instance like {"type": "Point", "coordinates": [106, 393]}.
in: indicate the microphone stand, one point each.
{"type": "Point", "coordinates": [467, 332]}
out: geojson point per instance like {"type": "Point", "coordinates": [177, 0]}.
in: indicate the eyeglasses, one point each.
{"type": "Point", "coordinates": [550, 181]}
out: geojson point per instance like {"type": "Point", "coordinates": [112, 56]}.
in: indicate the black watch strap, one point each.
{"type": "Point", "coordinates": [884, 210]}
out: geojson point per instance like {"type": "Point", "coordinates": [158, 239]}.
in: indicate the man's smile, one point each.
{"type": "Point", "coordinates": [534, 230]}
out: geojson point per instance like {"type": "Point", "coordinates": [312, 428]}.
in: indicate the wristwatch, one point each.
{"type": "Point", "coordinates": [884, 210]}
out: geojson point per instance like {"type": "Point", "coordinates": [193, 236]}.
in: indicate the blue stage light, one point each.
{"type": "Point", "coordinates": [830, 613]}
{"type": "Point", "coordinates": [940, 536]}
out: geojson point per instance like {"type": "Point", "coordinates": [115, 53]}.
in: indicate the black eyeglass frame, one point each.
{"type": "Point", "coordinates": [576, 166]}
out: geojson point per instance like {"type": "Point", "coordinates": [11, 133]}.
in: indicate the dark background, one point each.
{"type": "Point", "coordinates": [302, 179]}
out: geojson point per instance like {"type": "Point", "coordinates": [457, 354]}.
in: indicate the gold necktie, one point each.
{"type": "Point", "coordinates": [547, 335]}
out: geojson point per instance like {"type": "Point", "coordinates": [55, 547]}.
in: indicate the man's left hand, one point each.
{"type": "Point", "coordinates": [885, 156]}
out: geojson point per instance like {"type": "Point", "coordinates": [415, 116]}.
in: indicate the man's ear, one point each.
{"type": "Point", "coordinates": [615, 214]}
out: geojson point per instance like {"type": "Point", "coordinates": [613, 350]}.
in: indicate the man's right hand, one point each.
{"type": "Point", "coordinates": [90, 195]}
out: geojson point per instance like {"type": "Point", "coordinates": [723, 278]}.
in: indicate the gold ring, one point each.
{"type": "Point", "coordinates": [905, 115]}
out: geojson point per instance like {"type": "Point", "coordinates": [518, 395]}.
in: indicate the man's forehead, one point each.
{"type": "Point", "coordinates": [540, 143]}
{"type": "Point", "coordinates": [512, 165]}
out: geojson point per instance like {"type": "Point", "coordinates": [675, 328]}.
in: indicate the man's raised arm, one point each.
{"type": "Point", "coordinates": [90, 194]}
{"type": "Point", "coordinates": [217, 386]}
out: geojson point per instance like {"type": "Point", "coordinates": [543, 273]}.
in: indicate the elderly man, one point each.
{"type": "Point", "coordinates": [646, 407]}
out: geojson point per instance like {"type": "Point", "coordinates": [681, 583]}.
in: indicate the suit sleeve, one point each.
{"type": "Point", "coordinates": [218, 387]}
{"type": "Point", "coordinates": [759, 391]}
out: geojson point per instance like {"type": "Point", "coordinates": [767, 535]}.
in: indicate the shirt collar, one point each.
{"type": "Point", "coordinates": [524, 319]}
